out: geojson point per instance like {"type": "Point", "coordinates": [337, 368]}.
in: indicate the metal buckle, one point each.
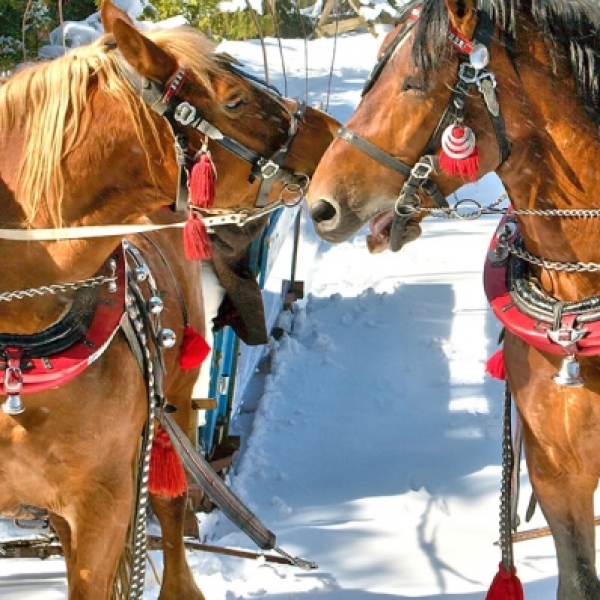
{"type": "Point", "coordinates": [13, 380]}
{"type": "Point", "coordinates": [421, 170]}
{"type": "Point", "coordinates": [469, 74]}
{"type": "Point", "coordinates": [482, 77]}
{"type": "Point", "coordinates": [185, 113]}
{"type": "Point", "coordinates": [209, 130]}
{"type": "Point", "coordinates": [465, 69]}
{"type": "Point", "coordinates": [268, 169]}
{"type": "Point", "coordinates": [566, 336]}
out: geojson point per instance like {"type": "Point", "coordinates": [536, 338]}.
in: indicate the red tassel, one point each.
{"type": "Point", "coordinates": [196, 242]}
{"type": "Point", "coordinates": [505, 586]}
{"type": "Point", "coordinates": [202, 182]}
{"type": "Point", "coordinates": [194, 349]}
{"type": "Point", "coordinates": [167, 476]}
{"type": "Point", "coordinates": [495, 366]}
{"type": "Point", "coordinates": [459, 155]}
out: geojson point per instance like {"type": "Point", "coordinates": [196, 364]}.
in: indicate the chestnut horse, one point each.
{"type": "Point", "coordinates": [467, 87]}
{"type": "Point", "coordinates": [103, 137]}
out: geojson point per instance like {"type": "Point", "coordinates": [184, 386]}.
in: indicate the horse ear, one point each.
{"type": "Point", "coordinates": [143, 55]}
{"type": "Point", "coordinates": [463, 16]}
{"type": "Point", "coordinates": [109, 13]}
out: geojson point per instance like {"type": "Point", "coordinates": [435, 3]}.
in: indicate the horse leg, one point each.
{"type": "Point", "coordinates": [567, 504]}
{"type": "Point", "coordinates": [98, 526]}
{"type": "Point", "coordinates": [63, 531]}
{"type": "Point", "coordinates": [178, 581]}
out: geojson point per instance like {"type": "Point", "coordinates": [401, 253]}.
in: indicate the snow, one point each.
{"type": "Point", "coordinates": [371, 436]}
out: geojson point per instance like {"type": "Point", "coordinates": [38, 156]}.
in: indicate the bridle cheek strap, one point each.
{"type": "Point", "coordinates": [180, 113]}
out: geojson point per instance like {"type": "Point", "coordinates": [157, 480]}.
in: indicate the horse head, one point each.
{"type": "Point", "coordinates": [125, 116]}
{"type": "Point", "coordinates": [447, 72]}
{"type": "Point", "coordinates": [462, 89]}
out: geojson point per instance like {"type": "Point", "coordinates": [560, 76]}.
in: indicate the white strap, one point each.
{"type": "Point", "coordinates": [92, 231]}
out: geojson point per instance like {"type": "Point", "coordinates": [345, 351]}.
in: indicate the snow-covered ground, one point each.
{"type": "Point", "coordinates": [372, 437]}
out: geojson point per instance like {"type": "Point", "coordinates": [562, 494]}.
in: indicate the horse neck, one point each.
{"type": "Point", "coordinates": [555, 152]}
{"type": "Point", "coordinates": [36, 266]}
{"type": "Point", "coordinates": [105, 183]}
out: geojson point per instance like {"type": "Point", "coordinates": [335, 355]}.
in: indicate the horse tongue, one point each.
{"type": "Point", "coordinates": [378, 239]}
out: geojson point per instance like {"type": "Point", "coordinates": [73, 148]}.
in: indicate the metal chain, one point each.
{"type": "Point", "coordinates": [451, 212]}
{"type": "Point", "coordinates": [56, 288]}
{"type": "Point", "coordinates": [589, 267]}
{"type": "Point", "coordinates": [505, 488]}
{"type": "Point", "coordinates": [558, 212]}
{"type": "Point", "coordinates": [140, 549]}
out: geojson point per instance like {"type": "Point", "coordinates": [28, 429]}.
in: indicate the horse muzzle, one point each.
{"type": "Point", "coordinates": [331, 222]}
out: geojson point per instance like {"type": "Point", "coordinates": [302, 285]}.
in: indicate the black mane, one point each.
{"type": "Point", "coordinates": [572, 26]}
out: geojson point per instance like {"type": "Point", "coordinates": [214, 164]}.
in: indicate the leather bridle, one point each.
{"type": "Point", "coordinates": [181, 115]}
{"type": "Point", "coordinates": [418, 175]}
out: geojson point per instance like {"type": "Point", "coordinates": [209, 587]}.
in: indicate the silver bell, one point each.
{"type": "Point", "coordinates": [155, 305]}
{"type": "Point", "coordinates": [479, 57]}
{"type": "Point", "coordinates": [166, 338]}
{"type": "Point", "coordinates": [13, 405]}
{"type": "Point", "coordinates": [568, 374]}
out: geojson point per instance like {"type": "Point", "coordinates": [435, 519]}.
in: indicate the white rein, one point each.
{"type": "Point", "coordinates": [95, 231]}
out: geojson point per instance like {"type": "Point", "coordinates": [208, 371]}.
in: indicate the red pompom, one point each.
{"type": "Point", "coordinates": [495, 366]}
{"type": "Point", "coordinates": [505, 586]}
{"type": "Point", "coordinates": [459, 155]}
{"type": "Point", "coordinates": [167, 476]}
{"type": "Point", "coordinates": [196, 242]}
{"type": "Point", "coordinates": [202, 182]}
{"type": "Point", "coordinates": [194, 349]}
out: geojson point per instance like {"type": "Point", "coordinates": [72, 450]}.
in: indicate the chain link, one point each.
{"type": "Point", "coordinates": [578, 213]}
{"type": "Point", "coordinates": [57, 288]}
{"type": "Point", "coordinates": [582, 213]}
{"type": "Point", "coordinates": [451, 211]}
{"type": "Point", "coordinates": [589, 267]}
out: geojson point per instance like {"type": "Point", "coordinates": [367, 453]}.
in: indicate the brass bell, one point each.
{"type": "Point", "coordinates": [568, 374]}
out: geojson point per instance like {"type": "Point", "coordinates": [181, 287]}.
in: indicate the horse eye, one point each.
{"type": "Point", "coordinates": [412, 85]}
{"type": "Point", "coordinates": [235, 103]}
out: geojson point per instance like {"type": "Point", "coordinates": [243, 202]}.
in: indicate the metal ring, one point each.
{"type": "Point", "coordinates": [292, 188]}
{"type": "Point", "coordinates": [468, 216]}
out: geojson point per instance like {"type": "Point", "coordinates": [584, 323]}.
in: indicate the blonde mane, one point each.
{"type": "Point", "coordinates": [46, 102]}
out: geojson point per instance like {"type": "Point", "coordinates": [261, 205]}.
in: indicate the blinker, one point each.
{"type": "Point", "coordinates": [479, 57]}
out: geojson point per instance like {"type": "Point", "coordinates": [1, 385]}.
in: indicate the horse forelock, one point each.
{"type": "Point", "coordinates": [46, 102]}
{"type": "Point", "coordinates": [572, 26]}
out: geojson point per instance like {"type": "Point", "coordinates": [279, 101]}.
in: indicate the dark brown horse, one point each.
{"type": "Point", "coordinates": [463, 88]}
{"type": "Point", "coordinates": [88, 140]}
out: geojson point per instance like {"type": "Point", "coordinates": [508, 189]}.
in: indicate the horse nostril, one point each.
{"type": "Point", "coordinates": [323, 211]}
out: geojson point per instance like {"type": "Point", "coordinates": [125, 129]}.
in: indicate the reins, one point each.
{"type": "Point", "coordinates": [239, 218]}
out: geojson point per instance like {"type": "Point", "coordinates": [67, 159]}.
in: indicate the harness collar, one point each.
{"type": "Point", "coordinates": [527, 311]}
{"type": "Point", "coordinates": [51, 358]}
